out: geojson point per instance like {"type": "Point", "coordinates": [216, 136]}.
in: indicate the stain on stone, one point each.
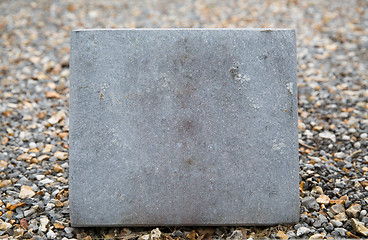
{"type": "Point", "coordinates": [188, 132]}
{"type": "Point", "coordinates": [120, 196]}
{"type": "Point", "coordinates": [117, 101]}
{"type": "Point", "coordinates": [234, 72]}
{"type": "Point", "coordinates": [272, 193]}
{"type": "Point", "coordinates": [190, 161]}
{"type": "Point", "coordinates": [291, 110]}
{"type": "Point", "coordinates": [184, 58]}
{"type": "Point", "coordinates": [278, 145]}
{"type": "Point", "coordinates": [241, 78]}
{"type": "Point", "coordinates": [289, 88]}
{"type": "Point", "coordinates": [186, 91]}
{"type": "Point", "coordinates": [266, 31]}
{"type": "Point", "coordinates": [263, 57]}
{"type": "Point", "coordinates": [102, 96]}
{"type": "Point", "coordinates": [188, 127]}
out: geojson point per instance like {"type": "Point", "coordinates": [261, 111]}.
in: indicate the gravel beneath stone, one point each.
{"type": "Point", "coordinates": [332, 41]}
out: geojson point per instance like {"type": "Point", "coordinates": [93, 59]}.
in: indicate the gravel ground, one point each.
{"type": "Point", "coordinates": [332, 40]}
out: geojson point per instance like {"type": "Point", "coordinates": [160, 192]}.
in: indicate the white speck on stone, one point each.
{"type": "Point", "coordinates": [328, 135]}
{"type": "Point", "coordinates": [238, 77]}
{"type": "Point", "coordinates": [252, 102]}
{"type": "Point", "coordinates": [278, 146]}
{"type": "Point", "coordinates": [242, 78]}
{"type": "Point", "coordinates": [289, 87]}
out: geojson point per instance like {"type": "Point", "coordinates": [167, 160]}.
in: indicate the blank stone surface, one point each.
{"type": "Point", "coordinates": [183, 127]}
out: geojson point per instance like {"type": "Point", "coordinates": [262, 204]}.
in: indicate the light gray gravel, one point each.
{"type": "Point", "coordinates": [333, 109]}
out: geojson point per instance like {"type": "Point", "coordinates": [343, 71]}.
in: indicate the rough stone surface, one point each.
{"type": "Point", "coordinates": [183, 127]}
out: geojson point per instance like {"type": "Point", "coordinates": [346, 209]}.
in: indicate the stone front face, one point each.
{"type": "Point", "coordinates": [183, 127]}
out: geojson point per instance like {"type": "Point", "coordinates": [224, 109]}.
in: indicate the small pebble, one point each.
{"type": "Point", "coordinates": [336, 223]}
{"type": "Point", "coordinates": [58, 168]}
{"type": "Point", "coordinates": [302, 231]}
{"type": "Point", "coordinates": [26, 192]}
{"type": "Point", "coordinates": [51, 235]}
{"type": "Point", "coordinates": [363, 213]}
{"type": "Point", "coordinates": [357, 145]}
{"type": "Point", "coordinates": [354, 210]}
{"type": "Point", "coordinates": [310, 203]}
{"type": "Point", "coordinates": [4, 226]}
{"type": "Point", "coordinates": [329, 227]}
{"type": "Point", "coordinates": [341, 231]}
{"type": "Point", "coordinates": [43, 224]}
{"type": "Point", "coordinates": [359, 227]}
{"type": "Point", "coordinates": [338, 208]}
{"type": "Point", "coordinates": [339, 155]}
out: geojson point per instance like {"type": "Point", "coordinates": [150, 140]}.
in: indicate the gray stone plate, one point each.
{"type": "Point", "coordinates": [183, 127]}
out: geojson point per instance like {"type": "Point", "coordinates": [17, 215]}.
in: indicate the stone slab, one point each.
{"type": "Point", "coordinates": [183, 127]}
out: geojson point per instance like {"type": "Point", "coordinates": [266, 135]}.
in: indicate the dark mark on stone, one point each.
{"type": "Point", "coordinates": [189, 161]}
{"type": "Point", "coordinates": [101, 97]}
{"type": "Point", "coordinates": [263, 57]}
{"type": "Point", "coordinates": [234, 72]}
